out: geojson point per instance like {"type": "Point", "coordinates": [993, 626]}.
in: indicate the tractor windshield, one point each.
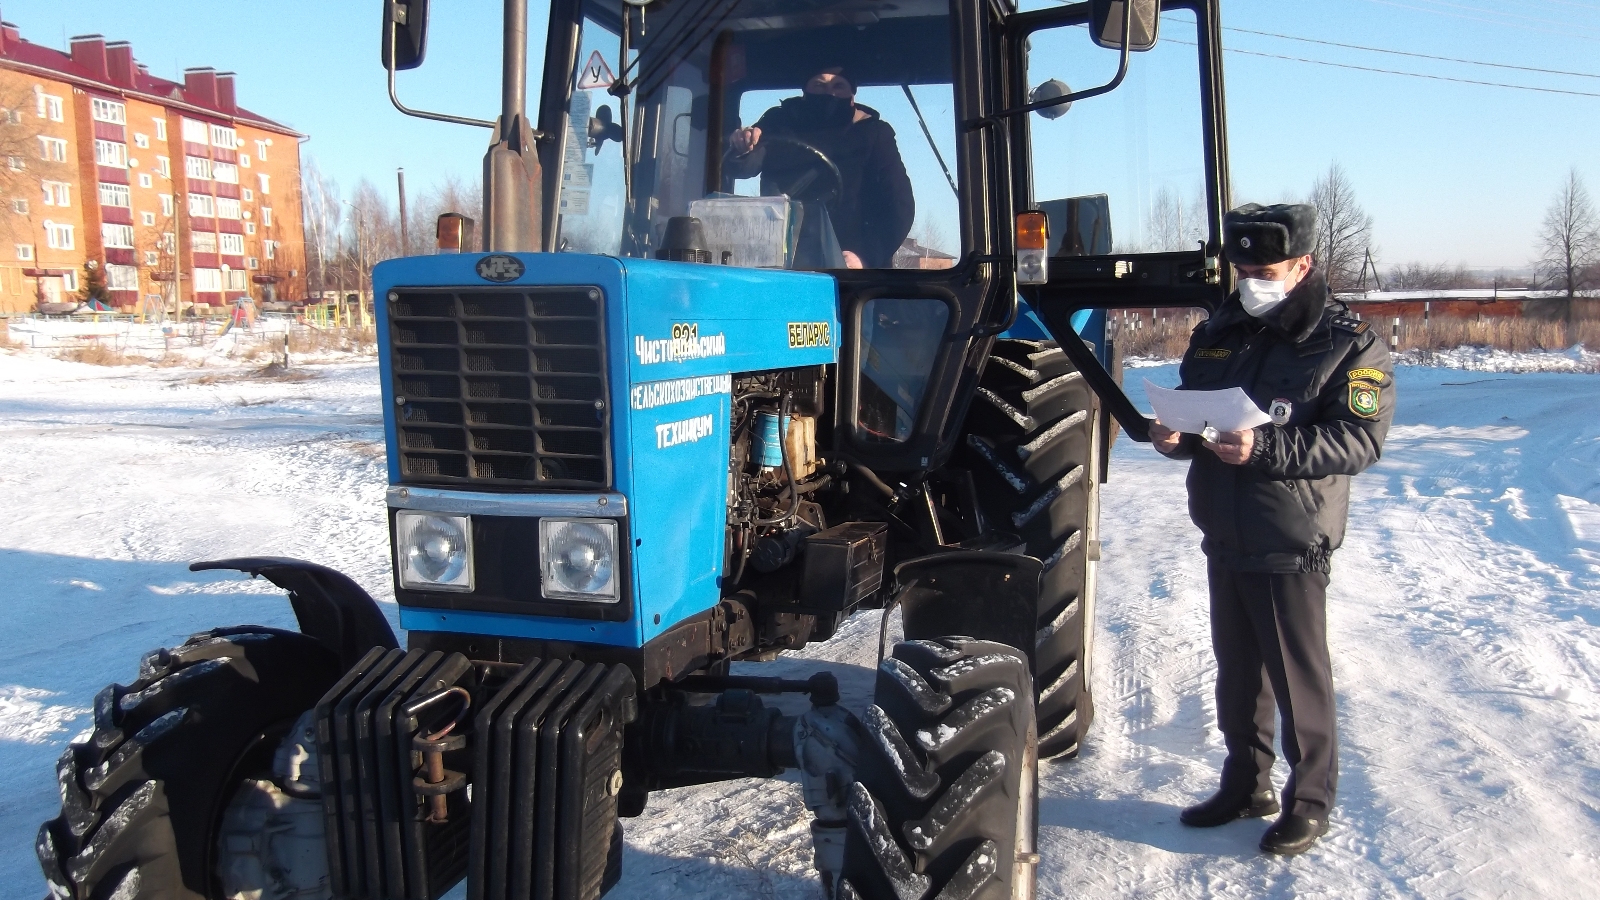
{"type": "Point", "coordinates": [809, 134]}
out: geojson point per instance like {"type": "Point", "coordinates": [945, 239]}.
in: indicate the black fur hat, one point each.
{"type": "Point", "coordinates": [1256, 235]}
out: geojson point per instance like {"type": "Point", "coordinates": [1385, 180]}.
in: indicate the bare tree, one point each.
{"type": "Point", "coordinates": [1440, 277]}
{"type": "Point", "coordinates": [374, 231]}
{"type": "Point", "coordinates": [1174, 223]}
{"type": "Point", "coordinates": [1344, 230]}
{"type": "Point", "coordinates": [324, 223]}
{"type": "Point", "coordinates": [1570, 239]}
{"type": "Point", "coordinates": [449, 195]}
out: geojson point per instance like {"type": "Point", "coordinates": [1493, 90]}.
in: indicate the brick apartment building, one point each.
{"type": "Point", "coordinates": [177, 193]}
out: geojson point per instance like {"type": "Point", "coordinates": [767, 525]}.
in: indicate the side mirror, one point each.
{"type": "Point", "coordinates": [1108, 19]}
{"type": "Point", "coordinates": [405, 33]}
{"type": "Point", "coordinates": [1050, 90]}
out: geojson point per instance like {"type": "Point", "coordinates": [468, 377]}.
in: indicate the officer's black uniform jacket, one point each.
{"type": "Point", "coordinates": [1330, 382]}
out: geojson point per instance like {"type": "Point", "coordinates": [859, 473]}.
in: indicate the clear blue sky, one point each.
{"type": "Point", "coordinates": [1450, 172]}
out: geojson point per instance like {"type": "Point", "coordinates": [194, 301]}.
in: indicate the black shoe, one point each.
{"type": "Point", "coordinates": [1293, 834]}
{"type": "Point", "coordinates": [1224, 808]}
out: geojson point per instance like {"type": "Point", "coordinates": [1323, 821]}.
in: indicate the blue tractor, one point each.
{"type": "Point", "coordinates": [667, 421]}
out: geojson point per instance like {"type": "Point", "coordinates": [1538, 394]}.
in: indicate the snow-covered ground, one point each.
{"type": "Point", "coordinates": [1464, 619]}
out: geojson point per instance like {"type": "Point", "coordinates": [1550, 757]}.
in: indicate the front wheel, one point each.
{"type": "Point", "coordinates": [943, 806]}
{"type": "Point", "coordinates": [179, 763]}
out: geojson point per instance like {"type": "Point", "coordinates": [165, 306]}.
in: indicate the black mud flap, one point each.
{"type": "Point", "coordinates": [984, 595]}
{"type": "Point", "coordinates": [328, 605]}
{"type": "Point", "coordinates": [547, 758]}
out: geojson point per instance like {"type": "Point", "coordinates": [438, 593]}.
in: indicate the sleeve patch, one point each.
{"type": "Point", "coordinates": [1372, 375]}
{"type": "Point", "coordinates": [1217, 353]}
{"type": "Point", "coordinates": [1364, 399]}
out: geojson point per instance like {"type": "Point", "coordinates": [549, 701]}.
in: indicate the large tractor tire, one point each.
{"type": "Point", "coordinates": [944, 802]}
{"type": "Point", "coordinates": [163, 798]}
{"type": "Point", "coordinates": [1033, 441]}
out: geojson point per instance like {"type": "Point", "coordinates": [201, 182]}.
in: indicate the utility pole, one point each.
{"type": "Point", "coordinates": [405, 236]}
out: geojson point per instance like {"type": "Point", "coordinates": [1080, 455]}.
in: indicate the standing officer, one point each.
{"type": "Point", "coordinates": [1271, 503]}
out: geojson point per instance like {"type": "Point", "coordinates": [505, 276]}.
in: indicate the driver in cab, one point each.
{"type": "Point", "coordinates": [873, 209]}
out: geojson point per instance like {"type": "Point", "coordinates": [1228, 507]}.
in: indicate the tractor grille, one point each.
{"type": "Point", "coordinates": [501, 387]}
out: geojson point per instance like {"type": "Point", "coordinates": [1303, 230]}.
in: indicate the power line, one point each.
{"type": "Point", "coordinates": [1470, 62]}
{"type": "Point", "coordinates": [1321, 62]}
{"type": "Point", "coordinates": [1496, 12]}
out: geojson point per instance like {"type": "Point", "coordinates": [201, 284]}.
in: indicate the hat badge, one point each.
{"type": "Point", "coordinates": [1244, 242]}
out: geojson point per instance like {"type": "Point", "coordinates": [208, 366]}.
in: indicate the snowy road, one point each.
{"type": "Point", "coordinates": [1465, 618]}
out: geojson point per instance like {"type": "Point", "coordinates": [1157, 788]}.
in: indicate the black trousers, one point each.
{"type": "Point", "coordinates": [1270, 635]}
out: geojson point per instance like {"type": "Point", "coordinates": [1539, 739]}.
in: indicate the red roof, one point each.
{"type": "Point", "coordinates": [18, 53]}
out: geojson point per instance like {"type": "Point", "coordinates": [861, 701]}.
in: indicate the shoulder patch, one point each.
{"type": "Point", "coordinates": [1372, 375]}
{"type": "Point", "coordinates": [1354, 326]}
{"type": "Point", "coordinates": [1364, 399]}
{"type": "Point", "coordinates": [1214, 353]}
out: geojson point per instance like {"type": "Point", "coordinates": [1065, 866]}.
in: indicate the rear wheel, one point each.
{"type": "Point", "coordinates": [1033, 441]}
{"type": "Point", "coordinates": [177, 760]}
{"type": "Point", "coordinates": [943, 805]}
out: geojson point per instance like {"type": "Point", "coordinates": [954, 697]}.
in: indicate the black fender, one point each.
{"type": "Point", "coordinates": [329, 606]}
{"type": "Point", "coordinates": [981, 594]}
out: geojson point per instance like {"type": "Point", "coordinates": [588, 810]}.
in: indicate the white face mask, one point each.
{"type": "Point", "coordinates": [1259, 296]}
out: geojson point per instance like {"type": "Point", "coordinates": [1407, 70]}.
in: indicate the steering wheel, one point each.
{"type": "Point", "coordinates": [803, 184]}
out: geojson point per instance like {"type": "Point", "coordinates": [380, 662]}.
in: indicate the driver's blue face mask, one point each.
{"type": "Point", "coordinates": [824, 110]}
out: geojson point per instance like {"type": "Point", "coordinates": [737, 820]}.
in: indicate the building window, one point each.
{"type": "Point", "coordinates": [161, 129]}
{"type": "Point", "coordinates": [228, 208]}
{"type": "Point", "coordinates": [114, 235]}
{"type": "Point", "coordinates": [227, 173]}
{"type": "Point", "coordinates": [142, 141]}
{"type": "Point", "coordinates": [57, 237]}
{"type": "Point", "coordinates": [168, 242]}
{"type": "Point", "coordinates": [261, 149]}
{"type": "Point", "coordinates": [145, 181]}
{"type": "Point", "coordinates": [266, 185]}
{"type": "Point", "coordinates": [244, 160]}
{"type": "Point", "coordinates": [25, 252]}
{"type": "Point", "coordinates": [271, 248]}
{"type": "Point", "coordinates": [195, 132]}
{"type": "Point", "coordinates": [148, 218]}
{"type": "Point", "coordinates": [11, 116]}
{"type": "Point", "coordinates": [251, 263]}
{"type": "Point", "coordinates": [249, 194]}
{"type": "Point", "coordinates": [202, 205]}
{"type": "Point", "coordinates": [249, 228]}
{"type": "Point", "coordinates": [69, 281]}
{"type": "Point", "coordinates": [233, 244]}
{"type": "Point", "coordinates": [203, 242]}
{"type": "Point", "coordinates": [50, 107]}
{"type": "Point", "coordinates": [164, 166]}
{"type": "Point", "coordinates": [197, 167]}
{"type": "Point", "coordinates": [122, 278]}
{"type": "Point", "coordinates": [222, 136]}
{"type": "Point", "coordinates": [57, 193]}
{"type": "Point", "coordinates": [109, 111]}
{"type": "Point", "coordinates": [111, 153]}
{"type": "Point", "coordinates": [115, 195]}
{"type": "Point", "coordinates": [53, 149]}
{"type": "Point", "coordinates": [19, 206]}
{"type": "Point", "coordinates": [208, 279]}
{"type": "Point", "coordinates": [266, 216]}
{"type": "Point", "coordinates": [152, 258]}
{"type": "Point", "coordinates": [166, 205]}
{"type": "Point", "coordinates": [16, 163]}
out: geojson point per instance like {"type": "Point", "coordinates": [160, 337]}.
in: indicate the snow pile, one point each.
{"type": "Point", "coordinates": [1464, 619]}
{"type": "Point", "coordinates": [1488, 359]}
{"type": "Point", "coordinates": [191, 343]}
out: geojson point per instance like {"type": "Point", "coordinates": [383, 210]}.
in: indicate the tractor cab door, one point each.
{"type": "Point", "coordinates": [1134, 182]}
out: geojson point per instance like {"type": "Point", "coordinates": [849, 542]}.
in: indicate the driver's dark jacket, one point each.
{"type": "Point", "coordinates": [1285, 510]}
{"type": "Point", "coordinates": [875, 208]}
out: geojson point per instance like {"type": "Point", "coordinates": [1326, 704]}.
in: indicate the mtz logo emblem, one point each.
{"type": "Point", "coordinates": [500, 268]}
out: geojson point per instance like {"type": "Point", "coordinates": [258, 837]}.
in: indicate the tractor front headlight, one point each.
{"type": "Point", "coordinates": [434, 551]}
{"type": "Point", "coordinates": [577, 559]}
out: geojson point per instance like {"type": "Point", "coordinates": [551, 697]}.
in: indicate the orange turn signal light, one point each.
{"type": "Point", "coordinates": [1033, 230]}
{"type": "Point", "coordinates": [454, 233]}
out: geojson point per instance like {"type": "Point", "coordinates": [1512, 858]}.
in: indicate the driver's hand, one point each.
{"type": "Point", "coordinates": [745, 139]}
{"type": "Point", "coordinates": [852, 261]}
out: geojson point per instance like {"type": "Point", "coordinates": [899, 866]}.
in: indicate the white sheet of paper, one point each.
{"type": "Point", "coordinates": [1191, 411]}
